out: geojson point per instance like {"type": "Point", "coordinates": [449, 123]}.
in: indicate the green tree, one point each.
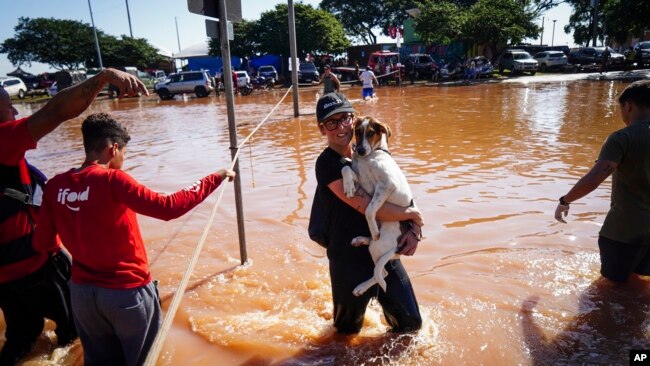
{"type": "Point", "coordinates": [634, 22]}
{"type": "Point", "coordinates": [538, 7]}
{"type": "Point", "coordinates": [128, 52]}
{"type": "Point", "coordinates": [63, 44]}
{"type": "Point", "coordinates": [580, 21]}
{"type": "Point", "coordinates": [490, 22]}
{"type": "Point", "coordinates": [361, 19]}
{"type": "Point", "coordinates": [439, 22]}
{"type": "Point", "coordinates": [244, 44]}
{"type": "Point", "coordinates": [499, 22]}
{"type": "Point", "coordinates": [317, 31]}
{"type": "Point", "coordinates": [617, 20]}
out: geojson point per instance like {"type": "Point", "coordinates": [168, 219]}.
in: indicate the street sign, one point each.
{"type": "Point", "coordinates": [210, 8]}
{"type": "Point", "coordinates": [212, 29]}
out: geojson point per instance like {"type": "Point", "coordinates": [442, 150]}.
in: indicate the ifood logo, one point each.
{"type": "Point", "coordinates": [65, 197]}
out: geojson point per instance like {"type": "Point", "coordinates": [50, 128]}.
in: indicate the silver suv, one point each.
{"type": "Point", "coordinates": [197, 82]}
{"type": "Point", "coordinates": [517, 61]}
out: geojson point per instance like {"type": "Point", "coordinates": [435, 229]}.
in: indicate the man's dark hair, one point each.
{"type": "Point", "coordinates": [100, 128]}
{"type": "Point", "coordinates": [637, 93]}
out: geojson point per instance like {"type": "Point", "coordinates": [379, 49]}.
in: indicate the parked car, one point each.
{"type": "Point", "coordinates": [551, 60]}
{"type": "Point", "coordinates": [242, 78]}
{"type": "Point", "coordinates": [67, 78]}
{"type": "Point", "coordinates": [616, 60]}
{"type": "Point", "coordinates": [486, 68]}
{"type": "Point", "coordinates": [423, 65]}
{"type": "Point", "coordinates": [269, 72]}
{"type": "Point", "coordinates": [197, 82]}
{"type": "Point", "coordinates": [517, 61]}
{"type": "Point", "coordinates": [642, 50]}
{"type": "Point", "coordinates": [593, 55]}
{"type": "Point", "coordinates": [156, 75]}
{"type": "Point", "coordinates": [582, 56]}
{"type": "Point", "coordinates": [451, 70]}
{"type": "Point", "coordinates": [14, 86]}
{"type": "Point", "coordinates": [307, 72]}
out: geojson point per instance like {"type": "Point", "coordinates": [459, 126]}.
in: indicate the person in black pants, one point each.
{"type": "Point", "coordinates": [349, 265]}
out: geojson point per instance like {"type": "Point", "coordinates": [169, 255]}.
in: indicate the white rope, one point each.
{"type": "Point", "coordinates": [156, 348]}
{"type": "Point", "coordinates": [387, 74]}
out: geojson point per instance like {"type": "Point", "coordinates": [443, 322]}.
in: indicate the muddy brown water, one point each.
{"type": "Point", "coordinates": [498, 280]}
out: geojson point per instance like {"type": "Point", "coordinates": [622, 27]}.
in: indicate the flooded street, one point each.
{"type": "Point", "coordinates": [498, 280]}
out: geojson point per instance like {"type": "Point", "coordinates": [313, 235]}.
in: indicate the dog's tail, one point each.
{"type": "Point", "coordinates": [380, 272]}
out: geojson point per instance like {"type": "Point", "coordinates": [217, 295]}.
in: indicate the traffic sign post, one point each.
{"type": "Point", "coordinates": [210, 8]}
{"type": "Point", "coordinates": [226, 11]}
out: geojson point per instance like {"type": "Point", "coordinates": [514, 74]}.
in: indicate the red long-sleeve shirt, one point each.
{"type": "Point", "coordinates": [94, 213]}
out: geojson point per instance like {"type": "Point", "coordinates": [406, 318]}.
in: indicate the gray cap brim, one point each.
{"type": "Point", "coordinates": [338, 110]}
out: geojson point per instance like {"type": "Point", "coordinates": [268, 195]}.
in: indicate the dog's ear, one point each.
{"type": "Point", "coordinates": [385, 128]}
{"type": "Point", "coordinates": [357, 121]}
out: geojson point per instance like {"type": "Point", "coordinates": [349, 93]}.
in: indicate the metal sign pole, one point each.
{"type": "Point", "coordinates": [294, 58]}
{"type": "Point", "coordinates": [232, 127]}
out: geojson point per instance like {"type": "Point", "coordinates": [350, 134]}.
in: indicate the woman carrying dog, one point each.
{"type": "Point", "coordinates": [345, 220]}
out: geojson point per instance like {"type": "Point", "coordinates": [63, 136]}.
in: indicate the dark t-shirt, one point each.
{"type": "Point", "coordinates": [343, 222]}
{"type": "Point", "coordinates": [628, 219]}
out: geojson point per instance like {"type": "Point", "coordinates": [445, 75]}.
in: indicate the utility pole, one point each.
{"type": "Point", "coordinates": [128, 14]}
{"type": "Point", "coordinates": [99, 54]}
{"type": "Point", "coordinates": [541, 38]}
{"type": "Point", "coordinates": [594, 32]}
{"type": "Point", "coordinates": [553, 36]}
{"type": "Point", "coordinates": [178, 39]}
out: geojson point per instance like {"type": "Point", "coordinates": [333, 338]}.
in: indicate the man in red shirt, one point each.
{"type": "Point", "coordinates": [93, 209]}
{"type": "Point", "coordinates": [30, 287]}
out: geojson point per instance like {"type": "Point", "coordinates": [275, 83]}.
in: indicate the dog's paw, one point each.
{"type": "Point", "coordinates": [360, 240]}
{"type": "Point", "coordinates": [359, 290]}
{"type": "Point", "coordinates": [375, 236]}
{"type": "Point", "coordinates": [350, 189]}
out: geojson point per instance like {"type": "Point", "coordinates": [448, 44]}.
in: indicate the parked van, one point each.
{"type": "Point", "coordinates": [383, 57]}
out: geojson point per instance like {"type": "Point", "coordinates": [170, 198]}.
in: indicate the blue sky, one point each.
{"type": "Point", "coordinates": [155, 20]}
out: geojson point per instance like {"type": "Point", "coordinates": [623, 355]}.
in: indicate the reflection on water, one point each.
{"type": "Point", "coordinates": [497, 279]}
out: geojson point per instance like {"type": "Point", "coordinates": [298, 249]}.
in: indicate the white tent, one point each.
{"type": "Point", "coordinates": [162, 50]}
{"type": "Point", "coordinates": [196, 50]}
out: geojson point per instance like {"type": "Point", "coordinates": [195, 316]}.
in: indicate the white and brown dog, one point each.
{"type": "Point", "coordinates": [374, 169]}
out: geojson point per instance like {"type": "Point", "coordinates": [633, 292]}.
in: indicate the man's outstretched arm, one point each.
{"type": "Point", "coordinates": [72, 101]}
{"type": "Point", "coordinates": [590, 181]}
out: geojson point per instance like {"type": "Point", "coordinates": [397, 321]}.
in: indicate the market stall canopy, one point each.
{"type": "Point", "coordinates": [20, 73]}
{"type": "Point", "coordinates": [162, 50]}
{"type": "Point", "coordinates": [197, 50]}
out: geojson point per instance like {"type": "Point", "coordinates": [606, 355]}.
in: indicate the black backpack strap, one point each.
{"type": "Point", "coordinates": [17, 195]}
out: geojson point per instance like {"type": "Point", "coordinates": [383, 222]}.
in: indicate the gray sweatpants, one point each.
{"type": "Point", "coordinates": [116, 326]}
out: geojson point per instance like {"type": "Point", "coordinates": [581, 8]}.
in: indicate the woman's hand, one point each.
{"type": "Point", "coordinates": [415, 216]}
{"type": "Point", "coordinates": [408, 242]}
